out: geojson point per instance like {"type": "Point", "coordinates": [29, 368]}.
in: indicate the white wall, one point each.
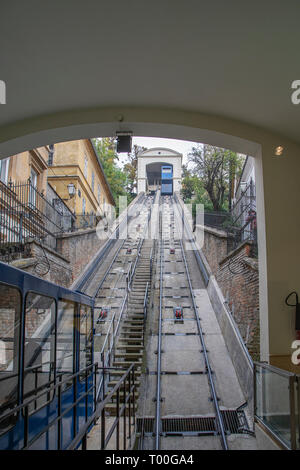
{"type": "Point", "coordinates": [164, 157]}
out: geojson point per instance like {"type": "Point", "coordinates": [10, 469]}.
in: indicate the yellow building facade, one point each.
{"type": "Point", "coordinates": [63, 164]}
{"type": "Point", "coordinates": [76, 163]}
{"type": "Point", "coordinates": [32, 164]}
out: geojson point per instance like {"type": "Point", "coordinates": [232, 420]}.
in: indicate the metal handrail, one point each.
{"type": "Point", "coordinates": [145, 310]}
{"type": "Point", "coordinates": [100, 411]}
{"type": "Point", "coordinates": [106, 359]}
{"type": "Point", "coordinates": [294, 401]}
{"type": "Point", "coordinates": [54, 387]}
{"type": "Point", "coordinates": [98, 408]}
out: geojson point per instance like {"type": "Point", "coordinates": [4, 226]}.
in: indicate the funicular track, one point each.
{"type": "Point", "coordinates": [177, 410]}
{"type": "Point", "coordinates": [124, 289]}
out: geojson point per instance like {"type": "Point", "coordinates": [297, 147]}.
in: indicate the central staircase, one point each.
{"type": "Point", "coordinates": [130, 344]}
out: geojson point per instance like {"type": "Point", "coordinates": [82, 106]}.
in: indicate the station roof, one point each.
{"type": "Point", "coordinates": [159, 152]}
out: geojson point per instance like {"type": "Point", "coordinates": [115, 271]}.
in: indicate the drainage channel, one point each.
{"type": "Point", "coordinates": [235, 422]}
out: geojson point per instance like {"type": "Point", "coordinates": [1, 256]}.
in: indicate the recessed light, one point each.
{"type": "Point", "coordinates": [279, 151]}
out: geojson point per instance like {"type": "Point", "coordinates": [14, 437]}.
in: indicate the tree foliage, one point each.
{"type": "Point", "coordinates": [130, 169]}
{"type": "Point", "coordinates": [106, 150]}
{"type": "Point", "coordinates": [210, 181]}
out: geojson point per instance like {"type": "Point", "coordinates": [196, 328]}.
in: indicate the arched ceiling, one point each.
{"type": "Point", "coordinates": [228, 58]}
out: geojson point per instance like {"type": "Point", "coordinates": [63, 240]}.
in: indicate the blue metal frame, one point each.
{"type": "Point", "coordinates": [39, 419]}
{"type": "Point", "coordinates": [166, 180]}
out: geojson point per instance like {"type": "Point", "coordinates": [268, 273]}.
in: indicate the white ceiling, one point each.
{"type": "Point", "coordinates": [230, 58]}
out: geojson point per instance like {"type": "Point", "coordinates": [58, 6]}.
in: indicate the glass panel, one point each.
{"type": "Point", "coordinates": [86, 336]}
{"type": "Point", "coordinates": [273, 402]}
{"type": "Point", "coordinates": [10, 315]}
{"type": "Point", "coordinates": [65, 338]}
{"type": "Point", "coordinates": [39, 347]}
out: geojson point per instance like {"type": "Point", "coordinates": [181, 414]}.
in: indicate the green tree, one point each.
{"type": "Point", "coordinates": [130, 169]}
{"type": "Point", "coordinates": [106, 150]}
{"type": "Point", "coordinates": [215, 168]}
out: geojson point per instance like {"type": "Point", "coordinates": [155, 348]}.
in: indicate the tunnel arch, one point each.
{"type": "Point", "coordinates": [215, 130]}
{"type": "Point", "coordinates": [149, 122]}
{"type": "Point", "coordinates": [153, 173]}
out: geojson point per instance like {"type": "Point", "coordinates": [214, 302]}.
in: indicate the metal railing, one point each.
{"type": "Point", "coordinates": [26, 214]}
{"type": "Point", "coordinates": [108, 349]}
{"type": "Point", "coordinates": [145, 310]}
{"type": "Point", "coordinates": [277, 404]}
{"type": "Point", "coordinates": [81, 221]}
{"type": "Point", "coordinates": [216, 219]}
{"type": "Point", "coordinates": [126, 409]}
{"type": "Point", "coordinates": [55, 390]}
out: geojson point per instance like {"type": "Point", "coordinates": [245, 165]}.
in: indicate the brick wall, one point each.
{"type": "Point", "coordinates": [41, 261]}
{"type": "Point", "coordinates": [74, 251]}
{"type": "Point", "coordinates": [237, 276]}
{"type": "Point", "coordinates": [214, 247]}
{"type": "Point", "coordinates": [79, 247]}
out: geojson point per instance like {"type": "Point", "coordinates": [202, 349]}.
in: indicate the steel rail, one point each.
{"type": "Point", "coordinates": [219, 421]}
{"type": "Point", "coordinates": [158, 384]}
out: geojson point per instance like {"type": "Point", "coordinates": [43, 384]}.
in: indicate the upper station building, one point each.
{"type": "Point", "coordinates": [149, 169]}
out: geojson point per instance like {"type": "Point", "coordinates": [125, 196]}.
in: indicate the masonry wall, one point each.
{"type": "Point", "coordinates": [79, 247]}
{"type": "Point", "coordinates": [40, 261]}
{"type": "Point", "coordinates": [74, 251]}
{"type": "Point", "coordinates": [237, 276]}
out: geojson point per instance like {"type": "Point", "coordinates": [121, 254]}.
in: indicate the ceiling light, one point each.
{"type": "Point", "coordinates": [279, 151]}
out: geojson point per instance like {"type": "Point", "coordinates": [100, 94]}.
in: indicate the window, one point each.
{"type": "Point", "coordinates": [65, 338]}
{"type": "Point", "coordinates": [86, 336]}
{"type": "Point", "coordinates": [83, 205]}
{"type": "Point", "coordinates": [99, 193]}
{"type": "Point", "coordinates": [4, 164]}
{"type": "Point", "coordinates": [85, 167]}
{"type": "Point", "coordinates": [33, 177]}
{"type": "Point", "coordinates": [10, 316]}
{"type": "Point", "coordinates": [93, 181]}
{"type": "Point", "coordinates": [39, 347]}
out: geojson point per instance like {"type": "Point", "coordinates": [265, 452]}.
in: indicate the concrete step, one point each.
{"type": "Point", "coordinates": [113, 383]}
{"type": "Point", "coordinates": [133, 347]}
{"type": "Point", "coordinates": [130, 330]}
{"type": "Point", "coordinates": [127, 364]}
{"type": "Point", "coordinates": [130, 340]}
{"type": "Point", "coordinates": [112, 409]}
{"type": "Point", "coordinates": [119, 373]}
{"type": "Point", "coordinates": [136, 316]}
{"type": "Point", "coordinates": [134, 322]}
{"type": "Point", "coordinates": [138, 295]}
{"type": "Point", "coordinates": [129, 355]}
{"type": "Point", "coordinates": [136, 312]}
{"type": "Point", "coordinates": [121, 395]}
